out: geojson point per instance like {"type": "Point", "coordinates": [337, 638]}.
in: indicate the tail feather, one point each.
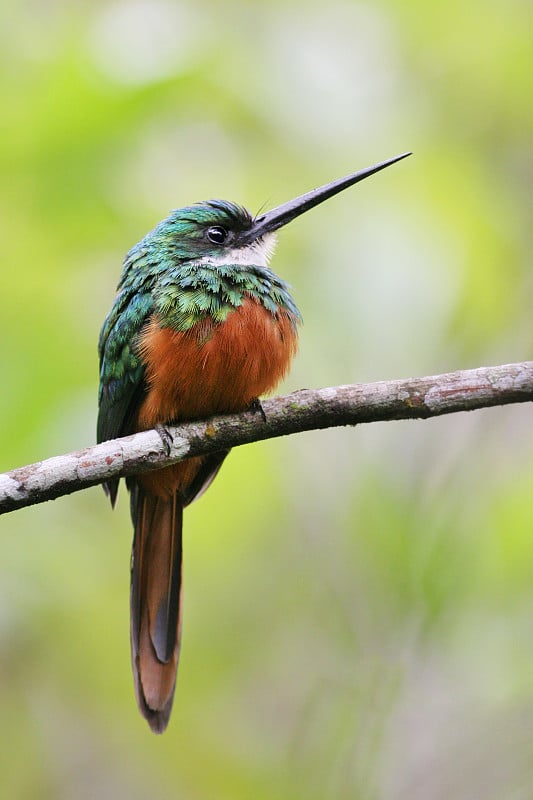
{"type": "Point", "coordinates": [155, 602]}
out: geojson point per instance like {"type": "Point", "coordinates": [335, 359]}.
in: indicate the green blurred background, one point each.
{"type": "Point", "coordinates": [359, 603]}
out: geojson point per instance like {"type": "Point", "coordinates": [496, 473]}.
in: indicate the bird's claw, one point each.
{"type": "Point", "coordinates": [165, 436]}
{"type": "Point", "coordinates": [256, 407]}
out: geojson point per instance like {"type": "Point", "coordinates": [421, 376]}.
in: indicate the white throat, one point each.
{"type": "Point", "coordinates": [257, 254]}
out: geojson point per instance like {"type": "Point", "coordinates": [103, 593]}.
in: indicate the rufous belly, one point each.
{"type": "Point", "coordinates": [215, 368]}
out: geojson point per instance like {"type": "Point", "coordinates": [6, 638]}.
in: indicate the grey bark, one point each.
{"type": "Point", "coordinates": [308, 409]}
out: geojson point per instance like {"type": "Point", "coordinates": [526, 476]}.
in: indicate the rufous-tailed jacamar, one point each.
{"type": "Point", "coordinates": [200, 326]}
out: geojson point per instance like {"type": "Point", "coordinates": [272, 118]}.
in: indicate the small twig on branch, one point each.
{"type": "Point", "coordinates": [308, 409]}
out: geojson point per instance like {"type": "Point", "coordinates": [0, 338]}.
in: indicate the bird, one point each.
{"type": "Point", "coordinates": [200, 325]}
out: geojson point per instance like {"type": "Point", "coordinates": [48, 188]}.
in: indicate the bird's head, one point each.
{"type": "Point", "coordinates": [215, 232]}
{"type": "Point", "coordinates": [220, 233]}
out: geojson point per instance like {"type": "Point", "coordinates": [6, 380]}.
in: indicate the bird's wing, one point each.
{"type": "Point", "coordinates": [122, 384]}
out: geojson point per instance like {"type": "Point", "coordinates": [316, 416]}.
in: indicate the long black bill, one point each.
{"type": "Point", "coordinates": [281, 215]}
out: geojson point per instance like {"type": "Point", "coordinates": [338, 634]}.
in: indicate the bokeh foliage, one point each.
{"type": "Point", "coordinates": [359, 603]}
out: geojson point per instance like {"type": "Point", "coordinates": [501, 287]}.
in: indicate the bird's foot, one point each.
{"type": "Point", "coordinates": [255, 407]}
{"type": "Point", "coordinates": [165, 436]}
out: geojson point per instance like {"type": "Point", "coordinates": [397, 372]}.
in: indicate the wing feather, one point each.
{"type": "Point", "coordinates": [122, 383]}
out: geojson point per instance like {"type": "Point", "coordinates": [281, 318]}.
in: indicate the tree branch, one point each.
{"type": "Point", "coordinates": [308, 409]}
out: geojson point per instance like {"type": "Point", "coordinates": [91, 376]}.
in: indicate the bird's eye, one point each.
{"type": "Point", "coordinates": [217, 234]}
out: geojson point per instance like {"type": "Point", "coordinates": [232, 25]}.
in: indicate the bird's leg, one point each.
{"type": "Point", "coordinates": [256, 407]}
{"type": "Point", "coordinates": [165, 436]}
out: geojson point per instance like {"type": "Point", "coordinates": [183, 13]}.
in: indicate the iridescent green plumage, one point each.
{"type": "Point", "coordinates": [176, 273]}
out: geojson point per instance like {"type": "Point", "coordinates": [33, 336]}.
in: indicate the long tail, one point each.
{"type": "Point", "coordinates": [155, 602]}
